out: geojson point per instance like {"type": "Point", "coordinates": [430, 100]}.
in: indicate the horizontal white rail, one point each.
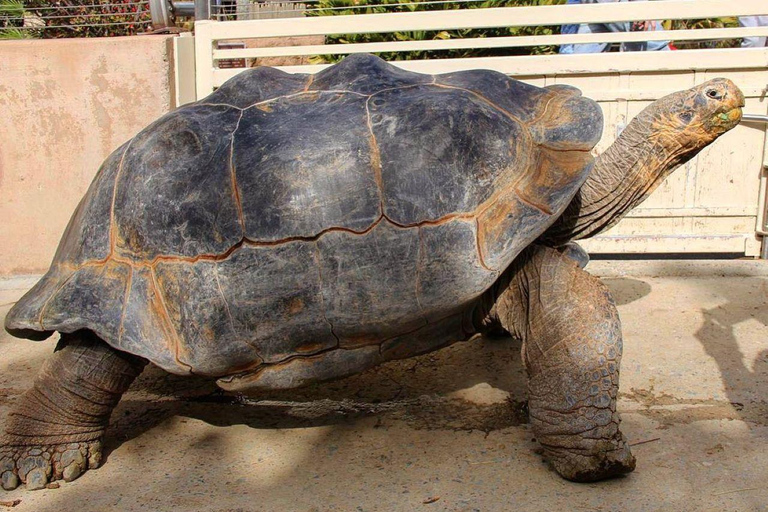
{"type": "Point", "coordinates": [732, 211]}
{"type": "Point", "coordinates": [713, 244]}
{"type": "Point", "coordinates": [543, 65]}
{"type": "Point", "coordinates": [209, 76]}
{"type": "Point", "coordinates": [492, 42]}
{"type": "Point", "coordinates": [484, 18]}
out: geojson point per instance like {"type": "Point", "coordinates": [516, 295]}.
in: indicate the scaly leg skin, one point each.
{"type": "Point", "coordinates": [572, 346]}
{"type": "Point", "coordinates": [55, 431]}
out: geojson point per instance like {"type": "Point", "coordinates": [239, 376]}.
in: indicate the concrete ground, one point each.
{"type": "Point", "coordinates": [447, 431]}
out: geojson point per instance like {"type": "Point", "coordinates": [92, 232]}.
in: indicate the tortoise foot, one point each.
{"type": "Point", "coordinates": [36, 466]}
{"type": "Point", "coordinates": [606, 460]}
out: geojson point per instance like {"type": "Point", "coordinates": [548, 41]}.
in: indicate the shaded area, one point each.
{"type": "Point", "coordinates": [626, 290]}
{"type": "Point", "coordinates": [745, 378]}
{"type": "Point", "coordinates": [439, 427]}
{"type": "Point", "coordinates": [434, 391]}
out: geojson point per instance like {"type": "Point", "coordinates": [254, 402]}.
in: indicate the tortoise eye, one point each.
{"type": "Point", "coordinates": [714, 94]}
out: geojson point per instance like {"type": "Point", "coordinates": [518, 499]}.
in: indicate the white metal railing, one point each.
{"type": "Point", "coordinates": [494, 42]}
{"type": "Point", "coordinates": [209, 32]}
{"type": "Point", "coordinates": [693, 211]}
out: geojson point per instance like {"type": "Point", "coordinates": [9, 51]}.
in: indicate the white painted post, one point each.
{"type": "Point", "coordinates": [204, 58]}
{"type": "Point", "coordinates": [184, 67]}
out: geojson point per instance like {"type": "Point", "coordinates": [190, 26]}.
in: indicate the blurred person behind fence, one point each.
{"type": "Point", "coordinates": [752, 21]}
{"type": "Point", "coordinates": [621, 26]}
{"type": "Point", "coordinates": [572, 28]}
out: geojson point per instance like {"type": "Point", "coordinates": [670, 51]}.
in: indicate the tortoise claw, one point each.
{"type": "Point", "coordinates": [37, 466]}
{"type": "Point", "coordinates": [9, 481]}
{"type": "Point", "coordinates": [36, 479]}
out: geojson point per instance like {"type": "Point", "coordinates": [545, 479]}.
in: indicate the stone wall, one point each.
{"type": "Point", "coordinates": [65, 104]}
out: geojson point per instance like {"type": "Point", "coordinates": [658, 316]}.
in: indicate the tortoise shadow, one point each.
{"type": "Point", "coordinates": [625, 290]}
{"type": "Point", "coordinates": [431, 391]}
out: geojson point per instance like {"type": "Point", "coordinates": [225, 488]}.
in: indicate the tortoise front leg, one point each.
{"type": "Point", "coordinates": [55, 431]}
{"type": "Point", "coordinates": [572, 345]}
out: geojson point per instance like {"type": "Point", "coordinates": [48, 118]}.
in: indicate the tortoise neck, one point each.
{"type": "Point", "coordinates": [623, 177]}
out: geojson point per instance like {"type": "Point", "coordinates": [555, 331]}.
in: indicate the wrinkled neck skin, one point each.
{"type": "Point", "coordinates": [624, 175]}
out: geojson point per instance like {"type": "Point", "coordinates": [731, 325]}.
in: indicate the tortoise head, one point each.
{"type": "Point", "coordinates": [689, 120]}
{"type": "Point", "coordinates": [665, 135]}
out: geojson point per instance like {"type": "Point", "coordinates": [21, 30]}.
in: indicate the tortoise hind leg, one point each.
{"type": "Point", "coordinates": [55, 431]}
{"type": "Point", "coordinates": [571, 348]}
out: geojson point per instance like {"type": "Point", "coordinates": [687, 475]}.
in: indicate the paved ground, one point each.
{"type": "Point", "coordinates": [447, 431]}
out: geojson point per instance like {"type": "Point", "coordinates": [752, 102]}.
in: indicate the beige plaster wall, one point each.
{"type": "Point", "coordinates": [64, 106]}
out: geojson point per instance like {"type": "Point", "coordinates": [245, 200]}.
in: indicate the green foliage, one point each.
{"type": "Point", "coordinates": [14, 33]}
{"type": "Point", "coordinates": [11, 9]}
{"type": "Point", "coordinates": [346, 7]}
{"type": "Point", "coordinates": [89, 18]}
{"type": "Point", "coordinates": [11, 19]}
{"type": "Point", "coordinates": [700, 24]}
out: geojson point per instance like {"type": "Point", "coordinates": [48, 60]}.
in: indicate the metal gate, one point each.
{"type": "Point", "coordinates": [713, 205]}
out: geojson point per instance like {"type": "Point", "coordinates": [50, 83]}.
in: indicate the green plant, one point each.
{"type": "Point", "coordinates": [346, 7]}
{"type": "Point", "coordinates": [10, 9]}
{"type": "Point", "coordinates": [14, 33]}
{"type": "Point", "coordinates": [11, 19]}
{"type": "Point", "coordinates": [90, 18]}
{"type": "Point", "coordinates": [12, 15]}
{"type": "Point", "coordinates": [702, 24]}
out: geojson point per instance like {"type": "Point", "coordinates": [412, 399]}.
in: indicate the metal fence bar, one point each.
{"type": "Point", "coordinates": [160, 13]}
{"type": "Point", "coordinates": [217, 10]}
{"type": "Point", "coordinates": [754, 118]}
{"type": "Point", "coordinates": [392, 5]}
{"type": "Point", "coordinates": [78, 25]}
{"type": "Point", "coordinates": [18, 20]}
{"type": "Point", "coordinates": [82, 15]}
{"type": "Point", "coordinates": [70, 7]}
{"type": "Point", "coordinates": [202, 10]}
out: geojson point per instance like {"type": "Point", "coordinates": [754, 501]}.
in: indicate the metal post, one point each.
{"type": "Point", "coordinates": [754, 118]}
{"type": "Point", "coordinates": [184, 9]}
{"type": "Point", "coordinates": [161, 16]}
{"type": "Point", "coordinates": [202, 10]}
{"type": "Point", "coordinates": [762, 216]}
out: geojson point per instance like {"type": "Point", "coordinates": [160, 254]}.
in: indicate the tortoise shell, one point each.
{"type": "Point", "coordinates": [291, 228]}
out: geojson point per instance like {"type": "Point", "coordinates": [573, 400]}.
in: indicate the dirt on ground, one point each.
{"type": "Point", "coordinates": [446, 431]}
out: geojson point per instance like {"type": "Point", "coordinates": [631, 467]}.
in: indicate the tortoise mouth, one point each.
{"type": "Point", "coordinates": [734, 114]}
{"type": "Point", "coordinates": [730, 118]}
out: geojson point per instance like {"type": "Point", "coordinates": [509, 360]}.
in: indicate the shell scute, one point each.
{"type": "Point", "coordinates": [175, 194]}
{"type": "Point", "coordinates": [257, 85]}
{"type": "Point", "coordinates": [366, 74]}
{"type": "Point", "coordinates": [450, 268]}
{"type": "Point", "coordinates": [369, 283]}
{"type": "Point", "coordinates": [87, 235]}
{"type": "Point", "coordinates": [92, 296]}
{"type": "Point", "coordinates": [304, 166]}
{"type": "Point", "coordinates": [433, 161]}
{"type": "Point", "coordinates": [238, 300]}
{"type": "Point", "coordinates": [557, 116]}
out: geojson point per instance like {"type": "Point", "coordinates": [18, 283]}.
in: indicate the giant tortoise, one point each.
{"type": "Point", "coordinates": [295, 228]}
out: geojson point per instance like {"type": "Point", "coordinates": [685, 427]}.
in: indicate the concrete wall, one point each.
{"type": "Point", "coordinates": [64, 106]}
